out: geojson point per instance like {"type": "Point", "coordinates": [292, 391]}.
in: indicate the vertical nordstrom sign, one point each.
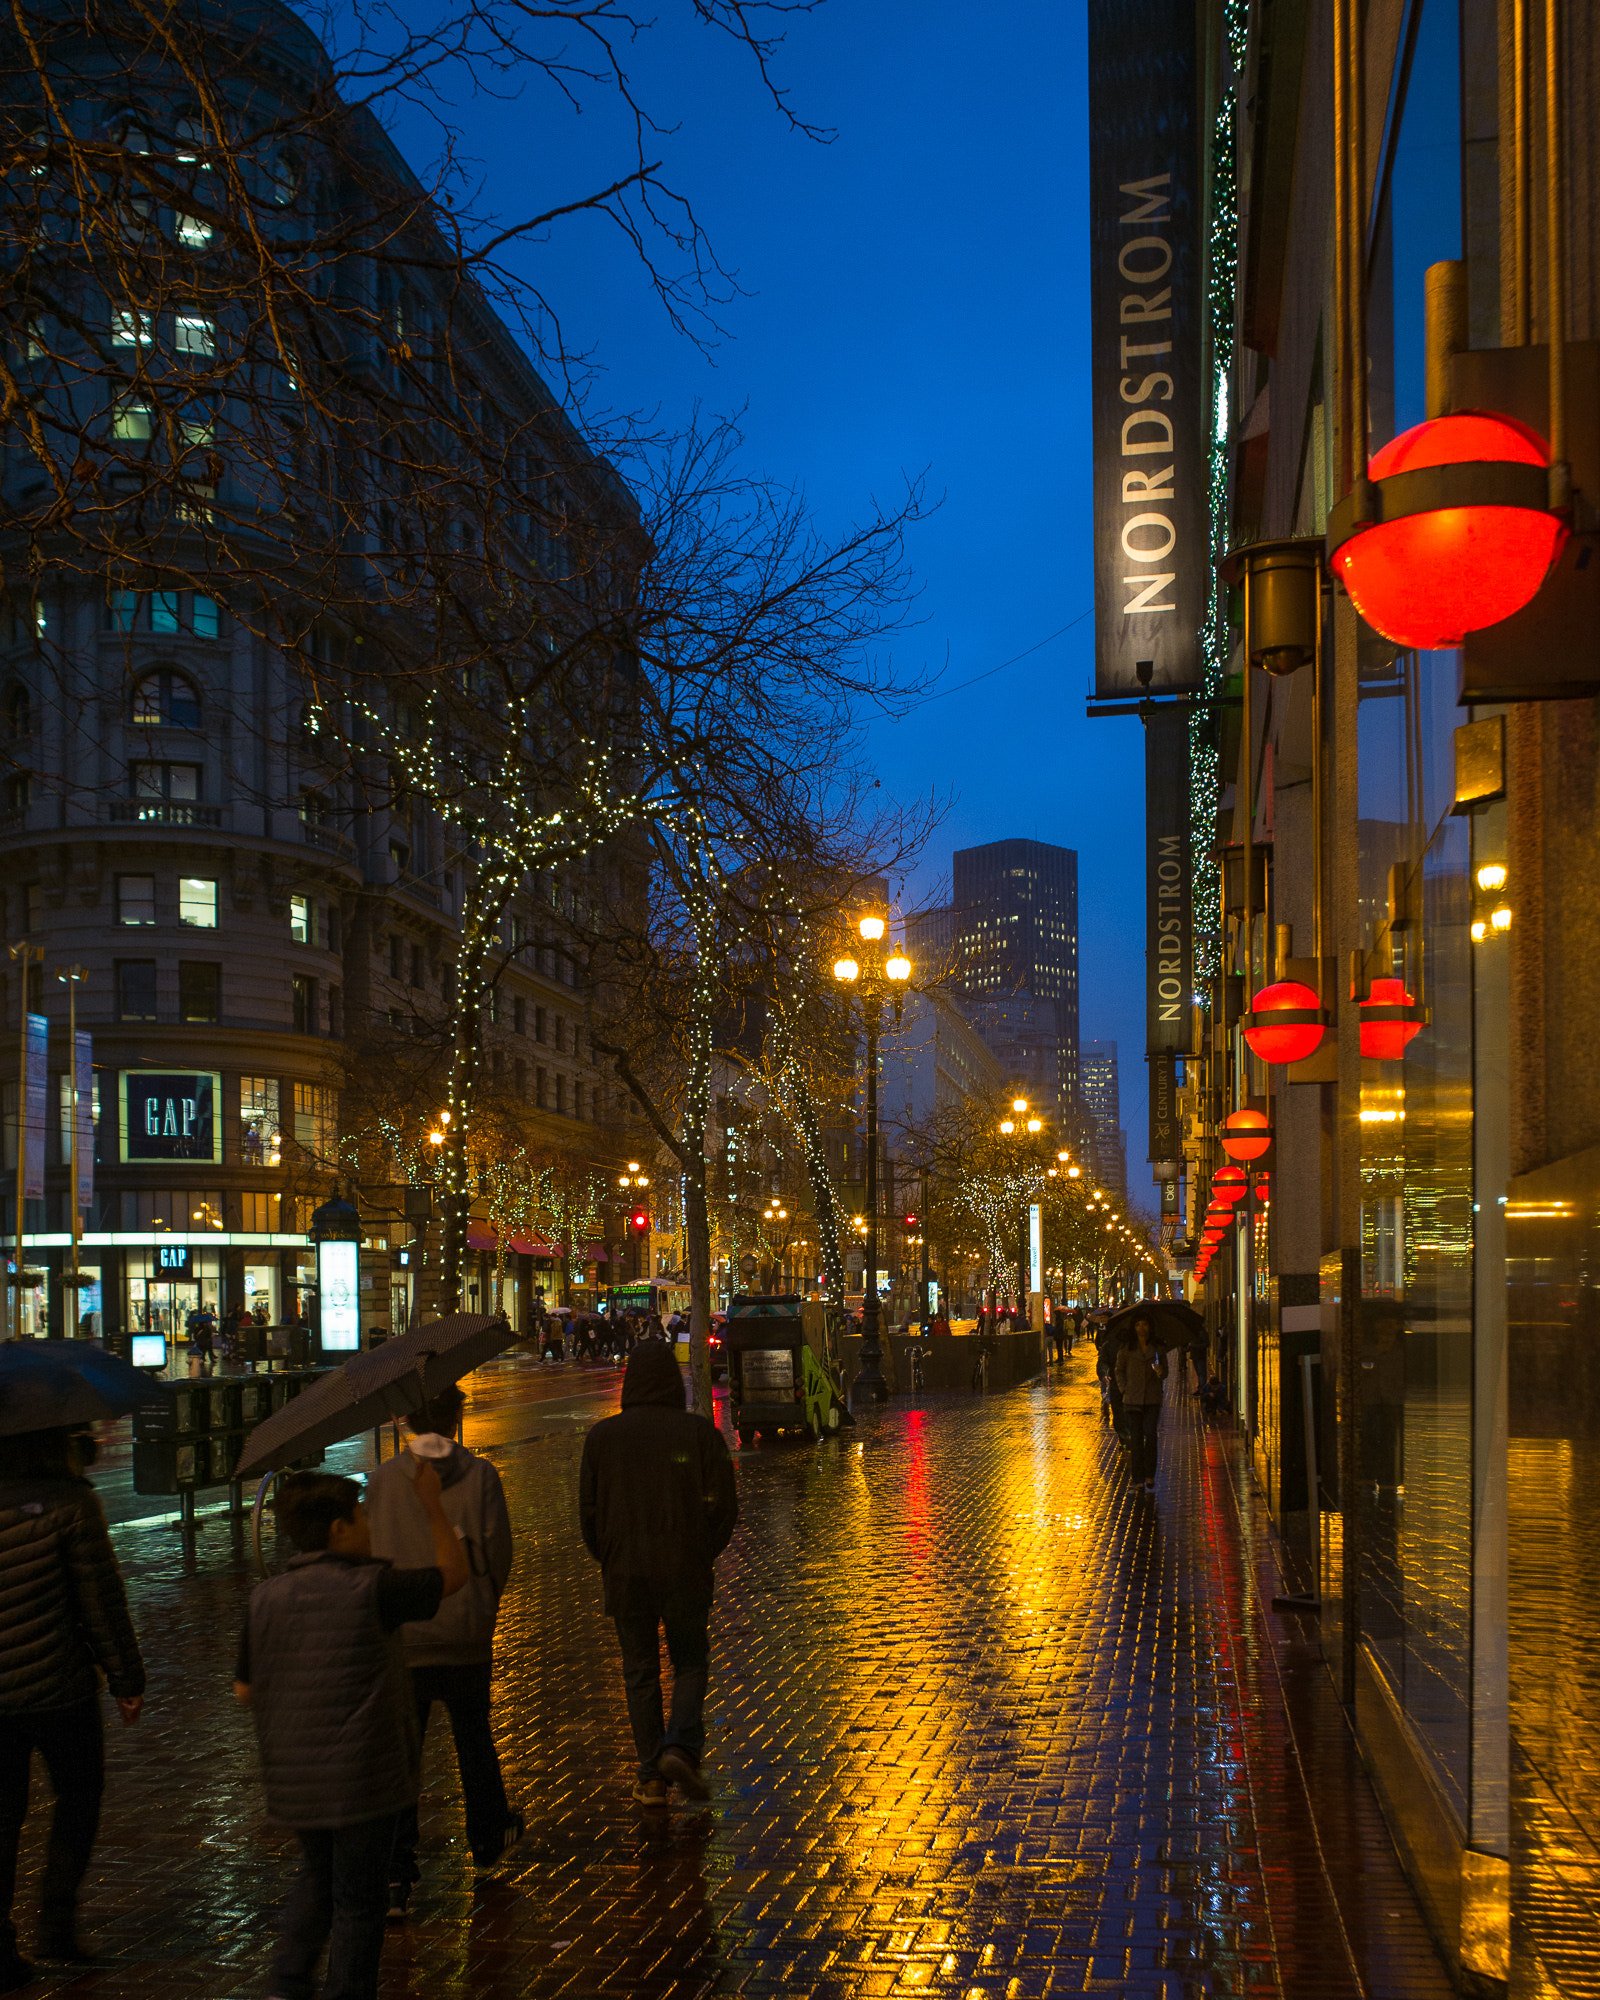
{"type": "Point", "coordinates": [1169, 934]}
{"type": "Point", "coordinates": [1151, 542]}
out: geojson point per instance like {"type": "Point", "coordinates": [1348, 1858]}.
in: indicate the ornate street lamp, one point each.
{"type": "Point", "coordinates": [874, 973]}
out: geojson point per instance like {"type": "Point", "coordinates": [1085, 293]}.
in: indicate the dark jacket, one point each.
{"type": "Point", "coordinates": [1140, 1376]}
{"type": "Point", "coordinates": [656, 1496]}
{"type": "Point", "coordinates": [475, 1506]}
{"type": "Point", "coordinates": [336, 1721]}
{"type": "Point", "coordinates": [63, 1612]}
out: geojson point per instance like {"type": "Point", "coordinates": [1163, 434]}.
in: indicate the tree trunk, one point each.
{"type": "Point", "coordinates": [697, 1234]}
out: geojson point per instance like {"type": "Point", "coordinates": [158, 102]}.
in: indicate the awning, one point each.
{"type": "Point", "coordinates": [594, 1253]}
{"type": "Point", "coordinates": [532, 1246]}
{"type": "Point", "coordinates": [480, 1236]}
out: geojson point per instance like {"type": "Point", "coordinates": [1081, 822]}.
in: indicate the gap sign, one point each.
{"type": "Point", "coordinates": [1151, 538]}
{"type": "Point", "coordinates": [171, 1115]}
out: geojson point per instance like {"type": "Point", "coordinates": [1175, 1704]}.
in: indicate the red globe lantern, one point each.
{"type": "Point", "coordinates": [1263, 1190]}
{"type": "Point", "coordinates": [1246, 1135]}
{"type": "Point", "coordinates": [1464, 534]}
{"type": "Point", "coordinates": [1286, 1024]}
{"type": "Point", "coordinates": [1389, 1020]}
{"type": "Point", "coordinates": [1230, 1185]}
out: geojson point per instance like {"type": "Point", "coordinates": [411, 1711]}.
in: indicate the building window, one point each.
{"type": "Point", "coordinates": [17, 789]}
{"type": "Point", "coordinates": [305, 1006]}
{"type": "Point", "coordinates": [519, 1072]}
{"type": "Point", "coordinates": [540, 1088]}
{"type": "Point", "coordinates": [494, 1006]}
{"type": "Point", "coordinates": [32, 908]}
{"type": "Point", "coordinates": [166, 781]}
{"type": "Point", "coordinates": [416, 965]}
{"type": "Point", "coordinates": [260, 1143]}
{"type": "Point", "coordinates": [335, 1011]}
{"type": "Point", "coordinates": [197, 902]}
{"type": "Point", "coordinates": [207, 618]}
{"type": "Point", "coordinates": [330, 927]}
{"type": "Point", "coordinates": [136, 899]}
{"type": "Point", "coordinates": [539, 1026]}
{"type": "Point", "coordinates": [302, 920]}
{"type": "Point", "coordinates": [260, 1214]}
{"type": "Point", "coordinates": [519, 1015]}
{"type": "Point", "coordinates": [130, 329]}
{"type": "Point", "coordinates": [18, 712]}
{"type": "Point", "coordinates": [561, 1093]}
{"type": "Point", "coordinates": [164, 697]}
{"type": "Point", "coordinates": [122, 607]}
{"type": "Point", "coordinates": [395, 966]}
{"type": "Point", "coordinates": [132, 421]}
{"type": "Point", "coordinates": [316, 1118]}
{"type": "Point", "coordinates": [136, 989]}
{"type": "Point", "coordinates": [561, 1035]}
{"type": "Point", "coordinates": [577, 1100]}
{"type": "Point", "coordinates": [163, 611]}
{"type": "Point", "coordinates": [196, 335]}
{"type": "Point", "coordinates": [199, 992]}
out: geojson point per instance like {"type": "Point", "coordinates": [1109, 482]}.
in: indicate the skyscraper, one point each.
{"type": "Point", "coordinates": [1099, 1088]}
{"type": "Point", "coordinates": [1010, 934]}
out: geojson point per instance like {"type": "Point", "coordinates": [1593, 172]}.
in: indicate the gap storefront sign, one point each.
{"type": "Point", "coordinates": [171, 1115]}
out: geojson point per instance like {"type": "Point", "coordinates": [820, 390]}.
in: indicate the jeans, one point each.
{"type": "Point", "coordinates": [464, 1690]}
{"type": "Point", "coordinates": [1144, 1422]}
{"type": "Point", "coordinates": [690, 1652]}
{"type": "Point", "coordinates": [72, 1744]}
{"type": "Point", "coordinates": [339, 1898]}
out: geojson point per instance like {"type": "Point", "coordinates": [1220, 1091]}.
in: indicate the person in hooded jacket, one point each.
{"type": "Point", "coordinates": [63, 1623]}
{"type": "Point", "coordinates": [451, 1655]}
{"type": "Point", "coordinates": [657, 1505]}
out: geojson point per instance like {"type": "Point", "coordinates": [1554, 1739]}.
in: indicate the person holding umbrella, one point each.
{"type": "Point", "coordinates": [1141, 1370]}
{"type": "Point", "coordinates": [65, 1624]}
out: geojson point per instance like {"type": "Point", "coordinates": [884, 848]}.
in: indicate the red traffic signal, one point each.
{"type": "Point", "coordinates": [911, 1222]}
{"type": "Point", "coordinates": [641, 1222]}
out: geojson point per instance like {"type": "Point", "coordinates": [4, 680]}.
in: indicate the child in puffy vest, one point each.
{"type": "Point", "coordinates": [321, 1668]}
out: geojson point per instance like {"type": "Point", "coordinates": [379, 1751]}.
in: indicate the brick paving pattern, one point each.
{"type": "Point", "coordinates": [983, 1723]}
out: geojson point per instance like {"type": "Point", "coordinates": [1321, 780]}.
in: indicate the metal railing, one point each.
{"type": "Point", "coordinates": [162, 812]}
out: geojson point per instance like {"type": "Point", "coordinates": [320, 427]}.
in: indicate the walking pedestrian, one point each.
{"type": "Point", "coordinates": [322, 1667]}
{"type": "Point", "coordinates": [451, 1657]}
{"type": "Point", "coordinates": [1141, 1373]}
{"type": "Point", "coordinates": [66, 1616]}
{"type": "Point", "coordinates": [1077, 1327]}
{"type": "Point", "coordinates": [1058, 1335]}
{"type": "Point", "coordinates": [657, 1505]}
{"type": "Point", "coordinates": [201, 1329]}
{"type": "Point", "coordinates": [1105, 1352]}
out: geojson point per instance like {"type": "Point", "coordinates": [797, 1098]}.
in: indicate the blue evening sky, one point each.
{"type": "Point", "coordinates": [916, 302]}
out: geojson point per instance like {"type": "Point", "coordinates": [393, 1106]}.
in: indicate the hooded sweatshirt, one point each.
{"type": "Point", "coordinates": [656, 1496]}
{"type": "Point", "coordinates": [475, 1506]}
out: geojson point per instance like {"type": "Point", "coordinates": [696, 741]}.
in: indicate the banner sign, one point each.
{"type": "Point", "coordinates": [1035, 1249]}
{"type": "Point", "coordinates": [1169, 931]}
{"type": "Point", "coordinates": [1152, 555]}
{"type": "Point", "coordinates": [1166, 1127]}
{"type": "Point", "coordinates": [83, 1119]}
{"type": "Point", "coordinates": [34, 1110]}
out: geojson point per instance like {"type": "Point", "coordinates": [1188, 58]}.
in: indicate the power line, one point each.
{"type": "Point", "coordinates": [988, 672]}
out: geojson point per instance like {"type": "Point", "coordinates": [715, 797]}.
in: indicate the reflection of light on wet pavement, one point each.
{"type": "Point", "coordinates": [982, 1723]}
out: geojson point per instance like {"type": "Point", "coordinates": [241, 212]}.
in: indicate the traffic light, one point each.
{"type": "Point", "coordinates": [910, 1222]}
{"type": "Point", "coordinates": [641, 1223]}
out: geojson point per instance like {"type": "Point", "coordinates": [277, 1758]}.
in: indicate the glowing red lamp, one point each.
{"type": "Point", "coordinates": [1286, 1024]}
{"type": "Point", "coordinates": [1230, 1185]}
{"type": "Point", "coordinates": [1464, 535]}
{"type": "Point", "coordinates": [1389, 1020]}
{"type": "Point", "coordinates": [1246, 1135]}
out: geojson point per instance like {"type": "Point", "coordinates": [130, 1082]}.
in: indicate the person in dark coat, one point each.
{"type": "Point", "coordinates": [63, 1622]}
{"type": "Point", "coordinates": [657, 1505]}
{"type": "Point", "coordinates": [1141, 1375]}
{"type": "Point", "coordinates": [322, 1668]}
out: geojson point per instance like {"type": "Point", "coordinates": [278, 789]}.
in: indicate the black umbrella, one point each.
{"type": "Point", "coordinates": [391, 1381]}
{"type": "Point", "coordinates": [1173, 1321]}
{"type": "Point", "coordinates": [49, 1383]}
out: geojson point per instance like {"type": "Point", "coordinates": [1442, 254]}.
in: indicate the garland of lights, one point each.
{"type": "Point", "coordinates": [1205, 778]}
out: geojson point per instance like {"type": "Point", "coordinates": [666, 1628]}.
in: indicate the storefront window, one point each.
{"type": "Point", "coordinates": [164, 1285]}
{"type": "Point", "coordinates": [260, 1140]}
{"type": "Point", "coordinates": [261, 1292]}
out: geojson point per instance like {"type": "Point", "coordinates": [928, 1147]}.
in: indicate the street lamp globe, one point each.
{"type": "Point", "coordinates": [1019, 1105]}
{"type": "Point", "coordinates": [871, 929]}
{"type": "Point", "coordinates": [846, 969]}
{"type": "Point", "coordinates": [1035, 1125]}
{"type": "Point", "coordinates": [1007, 1126]}
{"type": "Point", "coordinates": [898, 967]}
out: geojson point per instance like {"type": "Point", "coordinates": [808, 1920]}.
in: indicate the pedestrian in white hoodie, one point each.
{"type": "Point", "coordinates": [451, 1656]}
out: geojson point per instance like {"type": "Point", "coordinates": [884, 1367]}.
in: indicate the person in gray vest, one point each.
{"type": "Point", "coordinates": [452, 1656]}
{"type": "Point", "coordinates": [322, 1668]}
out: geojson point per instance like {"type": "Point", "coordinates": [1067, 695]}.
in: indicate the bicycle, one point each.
{"type": "Point", "coordinates": [917, 1355]}
{"type": "Point", "coordinates": [987, 1345]}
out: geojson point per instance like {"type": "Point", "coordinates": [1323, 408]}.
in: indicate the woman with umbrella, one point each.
{"type": "Point", "coordinates": [63, 1623]}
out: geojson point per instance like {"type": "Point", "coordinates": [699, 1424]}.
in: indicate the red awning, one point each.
{"type": "Point", "coordinates": [480, 1236]}
{"type": "Point", "coordinates": [594, 1253]}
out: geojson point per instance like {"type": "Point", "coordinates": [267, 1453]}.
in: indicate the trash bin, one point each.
{"type": "Point", "coordinates": [766, 1348]}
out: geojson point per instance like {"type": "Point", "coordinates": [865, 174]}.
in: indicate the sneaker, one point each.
{"type": "Point", "coordinates": [678, 1769]}
{"type": "Point", "coordinates": [491, 1857]}
{"type": "Point", "coordinates": [399, 1899]}
{"type": "Point", "coordinates": [650, 1792]}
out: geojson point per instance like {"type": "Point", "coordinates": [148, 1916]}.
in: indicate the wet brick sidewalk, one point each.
{"type": "Point", "coordinates": [983, 1723]}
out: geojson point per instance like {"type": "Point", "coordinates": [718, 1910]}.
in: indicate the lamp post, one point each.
{"type": "Point", "coordinates": [880, 969]}
{"type": "Point", "coordinates": [1020, 1121]}
{"type": "Point", "coordinates": [73, 1283]}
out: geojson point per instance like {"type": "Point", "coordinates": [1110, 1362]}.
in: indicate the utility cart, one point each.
{"type": "Point", "coordinates": [767, 1355]}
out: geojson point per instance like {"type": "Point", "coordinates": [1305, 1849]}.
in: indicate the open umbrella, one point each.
{"type": "Point", "coordinates": [1173, 1321]}
{"type": "Point", "coordinates": [46, 1383]}
{"type": "Point", "coordinates": [391, 1381]}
